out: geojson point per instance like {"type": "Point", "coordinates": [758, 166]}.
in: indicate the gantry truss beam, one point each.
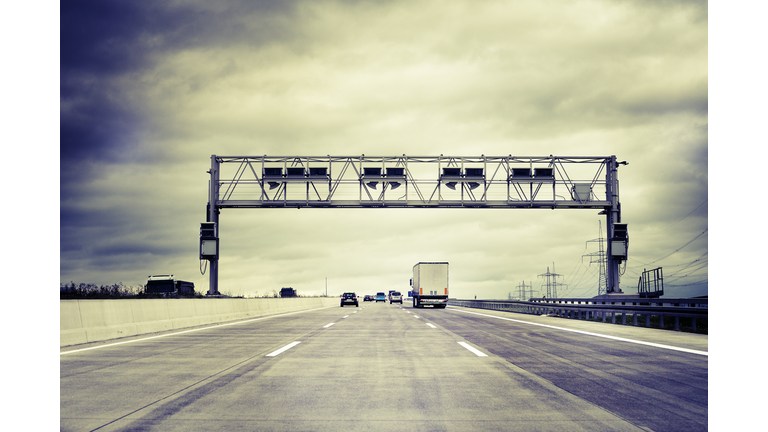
{"type": "Point", "coordinates": [539, 182]}
{"type": "Point", "coordinates": [410, 181]}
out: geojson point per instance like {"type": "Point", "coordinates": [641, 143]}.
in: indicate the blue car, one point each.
{"type": "Point", "coordinates": [381, 297]}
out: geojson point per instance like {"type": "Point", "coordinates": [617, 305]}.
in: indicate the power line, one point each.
{"type": "Point", "coordinates": [681, 247]}
{"type": "Point", "coordinates": [690, 267]}
{"type": "Point", "coordinates": [585, 290]}
{"type": "Point", "coordinates": [684, 217]}
{"type": "Point", "coordinates": [574, 271]}
{"type": "Point", "coordinates": [701, 282]}
{"type": "Point", "coordinates": [675, 251]}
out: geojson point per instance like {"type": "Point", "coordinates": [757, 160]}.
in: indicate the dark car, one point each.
{"type": "Point", "coordinates": [367, 298]}
{"type": "Point", "coordinates": [348, 298]}
{"type": "Point", "coordinates": [381, 297]}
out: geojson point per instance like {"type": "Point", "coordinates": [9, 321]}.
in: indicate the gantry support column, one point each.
{"type": "Point", "coordinates": [613, 217]}
{"type": "Point", "coordinates": [213, 216]}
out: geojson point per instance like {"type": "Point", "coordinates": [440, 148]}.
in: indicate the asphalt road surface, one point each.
{"type": "Point", "coordinates": [382, 367]}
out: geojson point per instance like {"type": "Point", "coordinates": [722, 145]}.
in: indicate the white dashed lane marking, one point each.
{"type": "Point", "coordinates": [283, 349]}
{"type": "Point", "coordinates": [474, 350]}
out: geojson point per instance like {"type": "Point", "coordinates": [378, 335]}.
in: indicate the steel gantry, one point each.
{"type": "Point", "coordinates": [546, 182]}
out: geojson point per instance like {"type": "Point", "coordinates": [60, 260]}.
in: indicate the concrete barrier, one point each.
{"type": "Point", "coordinates": [71, 329]}
{"type": "Point", "coordinates": [84, 321]}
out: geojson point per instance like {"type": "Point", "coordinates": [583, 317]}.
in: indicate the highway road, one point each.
{"type": "Point", "coordinates": [382, 367]}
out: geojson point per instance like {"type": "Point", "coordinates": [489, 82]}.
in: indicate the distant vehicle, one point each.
{"type": "Point", "coordinates": [168, 286]}
{"type": "Point", "coordinates": [430, 284]}
{"type": "Point", "coordinates": [395, 297]}
{"type": "Point", "coordinates": [349, 298]}
{"type": "Point", "coordinates": [380, 296]}
{"type": "Point", "coordinates": [288, 292]}
{"type": "Point", "coordinates": [368, 298]}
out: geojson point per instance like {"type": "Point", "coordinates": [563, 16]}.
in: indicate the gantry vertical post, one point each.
{"type": "Point", "coordinates": [213, 216]}
{"type": "Point", "coordinates": [613, 217]}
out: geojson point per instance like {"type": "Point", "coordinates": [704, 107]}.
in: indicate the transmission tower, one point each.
{"type": "Point", "coordinates": [599, 258]}
{"type": "Point", "coordinates": [551, 282]}
{"type": "Point", "coordinates": [522, 290]}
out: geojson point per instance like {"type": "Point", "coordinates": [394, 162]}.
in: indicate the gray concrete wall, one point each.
{"type": "Point", "coordinates": [84, 321]}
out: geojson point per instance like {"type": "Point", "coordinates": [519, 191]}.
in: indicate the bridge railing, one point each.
{"type": "Point", "coordinates": [673, 314]}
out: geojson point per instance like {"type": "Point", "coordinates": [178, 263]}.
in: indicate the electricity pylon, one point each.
{"type": "Point", "coordinates": [522, 290]}
{"type": "Point", "coordinates": [551, 282]}
{"type": "Point", "coordinates": [599, 258]}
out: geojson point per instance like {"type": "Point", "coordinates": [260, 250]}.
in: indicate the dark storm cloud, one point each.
{"type": "Point", "coordinates": [101, 41]}
{"type": "Point", "coordinates": [121, 231]}
{"type": "Point", "coordinates": [102, 38]}
{"type": "Point", "coordinates": [106, 45]}
{"type": "Point", "coordinates": [105, 48]}
{"type": "Point", "coordinates": [158, 248]}
{"type": "Point", "coordinates": [76, 217]}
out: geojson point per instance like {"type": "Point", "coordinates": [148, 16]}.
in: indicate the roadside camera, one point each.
{"type": "Point", "coordinates": [209, 241]}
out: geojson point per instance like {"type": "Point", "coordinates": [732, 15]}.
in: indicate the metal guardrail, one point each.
{"type": "Point", "coordinates": [623, 300]}
{"type": "Point", "coordinates": [691, 310]}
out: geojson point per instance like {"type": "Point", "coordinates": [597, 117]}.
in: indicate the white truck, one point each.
{"type": "Point", "coordinates": [430, 284]}
{"type": "Point", "coordinates": [167, 285]}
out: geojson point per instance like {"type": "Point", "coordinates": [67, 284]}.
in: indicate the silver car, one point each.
{"type": "Point", "coordinates": [396, 297]}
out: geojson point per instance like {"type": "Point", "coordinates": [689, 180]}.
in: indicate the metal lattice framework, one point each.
{"type": "Point", "coordinates": [410, 181]}
{"type": "Point", "coordinates": [538, 182]}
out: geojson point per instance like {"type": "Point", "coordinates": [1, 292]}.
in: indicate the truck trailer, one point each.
{"type": "Point", "coordinates": [430, 284]}
{"type": "Point", "coordinates": [167, 285]}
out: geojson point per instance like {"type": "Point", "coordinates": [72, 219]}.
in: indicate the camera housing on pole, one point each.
{"type": "Point", "coordinates": [209, 241]}
{"type": "Point", "coordinates": [619, 242]}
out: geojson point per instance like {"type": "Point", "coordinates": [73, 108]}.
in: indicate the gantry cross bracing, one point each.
{"type": "Point", "coordinates": [537, 182]}
{"type": "Point", "coordinates": [409, 181]}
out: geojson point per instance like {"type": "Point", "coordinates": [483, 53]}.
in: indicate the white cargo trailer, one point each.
{"type": "Point", "coordinates": [430, 284]}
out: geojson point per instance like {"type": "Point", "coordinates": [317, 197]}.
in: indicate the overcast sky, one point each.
{"type": "Point", "coordinates": [150, 90]}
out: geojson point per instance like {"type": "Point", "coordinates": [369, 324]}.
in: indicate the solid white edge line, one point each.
{"type": "Point", "coordinates": [189, 331]}
{"type": "Point", "coordinates": [704, 353]}
{"type": "Point", "coordinates": [474, 350]}
{"type": "Point", "coordinates": [285, 348]}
